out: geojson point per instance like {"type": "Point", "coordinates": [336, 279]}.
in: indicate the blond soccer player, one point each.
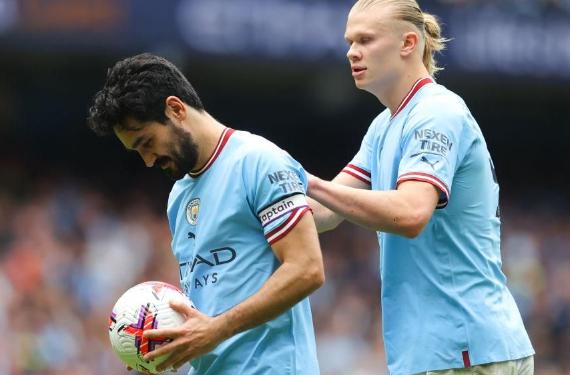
{"type": "Point", "coordinates": [424, 180]}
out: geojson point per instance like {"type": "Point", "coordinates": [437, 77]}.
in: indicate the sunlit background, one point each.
{"type": "Point", "coordinates": [81, 220]}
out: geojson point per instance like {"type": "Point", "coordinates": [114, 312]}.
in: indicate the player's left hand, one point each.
{"type": "Point", "coordinates": [199, 335]}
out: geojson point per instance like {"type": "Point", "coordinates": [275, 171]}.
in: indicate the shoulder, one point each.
{"type": "Point", "coordinates": [378, 123]}
{"type": "Point", "coordinates": [254, 148]}
{"type": "Point", "coordinates": [438, 107]}
{"type": "Point", "coordinates": [264, 165]}
{"type": "Point", "coordinates": [439, 102]}
{"type": "Point", "coordinates": [382, 118]}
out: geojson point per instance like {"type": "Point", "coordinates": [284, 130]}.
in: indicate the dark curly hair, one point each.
{"type": "Point", "coordinates": [137, 87]}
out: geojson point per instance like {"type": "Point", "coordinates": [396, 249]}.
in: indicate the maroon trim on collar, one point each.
{"type": "Point", "coordinates": [226, 134]}
{"type": "Point", "coordinates": [415, 88]}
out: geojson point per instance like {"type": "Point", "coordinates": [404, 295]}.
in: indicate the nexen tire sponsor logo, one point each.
{"type": "Point", "coordinates": [282, 207]}
{"type": "Point", "coordinates": [433, 141]}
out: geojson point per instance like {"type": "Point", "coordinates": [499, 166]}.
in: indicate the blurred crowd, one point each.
{"type": "Point", "coordinates": [67, 251]}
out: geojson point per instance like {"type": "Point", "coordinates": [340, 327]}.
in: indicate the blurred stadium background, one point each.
{"type": "Point", "coordinates": [81, 220]}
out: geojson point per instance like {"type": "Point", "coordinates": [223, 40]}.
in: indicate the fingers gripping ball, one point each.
{"type": "Point", "coordinates": [144, 306]}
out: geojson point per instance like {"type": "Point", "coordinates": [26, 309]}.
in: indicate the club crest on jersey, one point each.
{"type": "Point", "coordinates": [192, 210]}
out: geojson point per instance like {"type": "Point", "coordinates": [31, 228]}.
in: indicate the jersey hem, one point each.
{"type": "Point", "coordinates": [357, 172]}
{"type": "Point", "coordinates": [424, 177]}
{"type": "Point", "coordinates": [459, 364]}
{"type": "Point", "coordinates": [282, 230]}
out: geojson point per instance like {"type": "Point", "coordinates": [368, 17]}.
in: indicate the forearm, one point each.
{"type": "Point", "coordinates": [301, 272]}
{"type": "Point", "coordinates": [325, 218]}
{"type": "Point", "coordinates": [289, 284]}
{"type": "Point", "coordinates": [391, 211]}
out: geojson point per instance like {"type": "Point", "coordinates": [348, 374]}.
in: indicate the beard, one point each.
{"type": "Point", "coordinates": [184, 154]}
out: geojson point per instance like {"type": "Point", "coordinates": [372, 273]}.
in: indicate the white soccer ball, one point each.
{"type": "Point", "coordinates": [143, 307]}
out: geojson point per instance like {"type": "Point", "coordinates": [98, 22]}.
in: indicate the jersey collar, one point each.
{"type": "Point", "coordinates": [224, 137]}
{"type": "Point", "coordinates": [415, 88]}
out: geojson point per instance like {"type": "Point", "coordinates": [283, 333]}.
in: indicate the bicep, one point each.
{"type": "Point", "coordinates": [301, 243]}
{"type": "Point", "coordinates": [421, 196]}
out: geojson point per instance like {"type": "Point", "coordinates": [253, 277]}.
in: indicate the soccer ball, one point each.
{"type": "Point", "coordinates": [143, 307]}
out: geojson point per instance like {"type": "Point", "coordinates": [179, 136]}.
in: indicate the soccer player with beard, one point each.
{"type": "Point", "coordinates": [424, 180]}
{"type": "Point", "coordinates": [242, 231]}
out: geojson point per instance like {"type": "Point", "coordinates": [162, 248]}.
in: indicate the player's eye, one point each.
{"type": "Point", "coordinates": [148, 143]}
{"type": "Point", "coordinates": [365, 39]}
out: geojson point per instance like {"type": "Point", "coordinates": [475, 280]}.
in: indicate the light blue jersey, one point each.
{"type": "Point", "coordinates": [223, 220]}
{"type": "Point", "coordinates": [445, 302]}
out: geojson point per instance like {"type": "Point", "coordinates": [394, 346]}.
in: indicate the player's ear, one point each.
{"type": "Point", "coordinates": [174, 108]}
{"type": "Point", "coordinates": [410, 41]}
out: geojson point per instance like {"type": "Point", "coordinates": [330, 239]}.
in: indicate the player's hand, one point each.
{"type": "Point", "coordinates": [199, 335]}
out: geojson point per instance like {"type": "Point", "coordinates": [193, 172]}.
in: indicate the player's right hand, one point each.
{"type": "Point", "coordinates": [199, 335]}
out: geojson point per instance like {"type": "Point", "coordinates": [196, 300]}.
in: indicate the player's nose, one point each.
{"type": "Point", "coordinates": [149, 158]}
{"type": "Point", "coordinates": [353, 54]}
